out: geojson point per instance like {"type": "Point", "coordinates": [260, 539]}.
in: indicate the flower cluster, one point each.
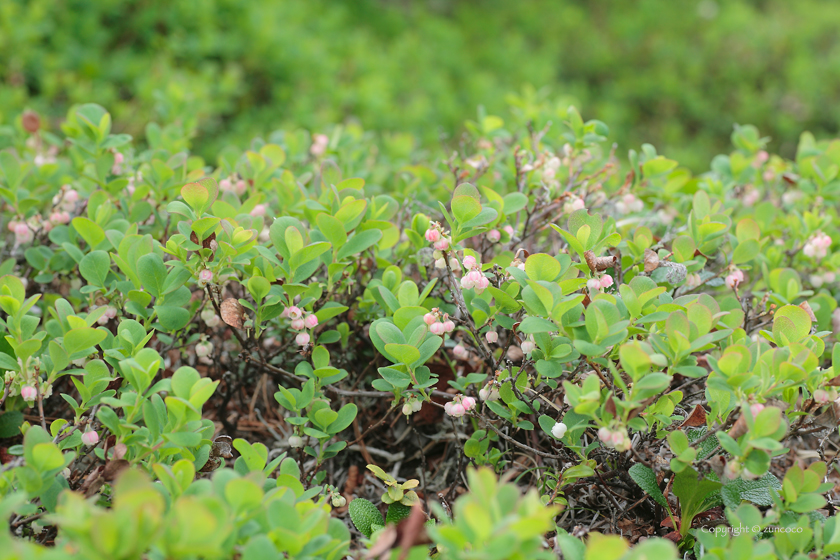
{"type": "Point", "coordinates": [210, 318]}
{"type": "Point", "coordinates": [628, 204]}
{"type": "Point", "coordinates": [459, 406]}
{"type": "Point", "coordinates": [825, 396]}
{"type": "Point", "coordinates": [817, 280]}
{"type": "Point", "coordinates": [411, 406]}
{"type": "Point", "coordinates": [110, 313]}
{"type": "Point", "coordinates": [319, 144]}
{"type": "Point", "coordinates": [439, 239]}
{"type": "Point", "coordinates": [735, 278]}
{"type": "Point", "coordinates": [817, 246]}
{"type": "Point", "coordinates": [300, 322]}
{"type": "Point", "coordinates": [22, 231]}
{"type": "Point", "coordinates": [474, 279]}
{"type": "Point", "coordinates": [598, 284]}
{"type": "Point", "coordinates": [573, 204]}
{"type": "Point", "coordinates": [439, 323]}
{"type": "Point", "coordinates": [233, 184]}
{"type": "Point", "coordinates": [617, 439]}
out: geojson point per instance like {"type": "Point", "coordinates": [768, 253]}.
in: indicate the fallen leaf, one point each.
{"type": "Point", "coordinates": [232, 313]}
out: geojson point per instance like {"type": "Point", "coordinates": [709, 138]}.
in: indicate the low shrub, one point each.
{"type": "Point", "coordinates": [544, 353]}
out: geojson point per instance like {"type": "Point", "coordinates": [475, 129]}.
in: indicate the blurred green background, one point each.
{"type": "Point", "coordinates": [676, 73]}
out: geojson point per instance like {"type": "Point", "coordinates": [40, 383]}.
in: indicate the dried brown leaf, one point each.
{"type": "Point", "coordinates": [696, 418]}
{"type": "Point", "coordinates": [232, 313]}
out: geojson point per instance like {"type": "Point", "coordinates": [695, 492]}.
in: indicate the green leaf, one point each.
{"type": "Point", "coordinates": [308, 253]}
{"type": "Point", "coordinates": [359, 242]}
{"type": "Point", "coordinates": [196, 196]}
{"type": "Point", "coordinates": [504, 302]}
{"type": "Point", "coordinates": [94, 268]}
{"type": "Point", "coordinates": [259, 288]}
{"type": "Point", "coordinates": [465, 208]}
{"type": "Point", "coordinates": [403, 352]}
{"type": "Point", "coordinates": [791, 323]}
{"type": "Point", "coordinates": [533, 325]}
{"type": "Point", "coordinates": [10, 423]}
{"type": "Point", "coordinates": [364, 515]}
{"type": "Point", "coordinates": [646, 479]}
{"type": "Point", "coordinates": [172, 318]}
{"type": "Point", "coordinates": [84, 338]}
{"type": "Point", "coordinates": [808, 502]}
{"type": "Point", "coordinates": [89, 230]}
{"type": "Point", "coordinates": [692, 490]}
{"type": "Point", "coordinates": [255, 456]}
{"type": "Point", "coordinates": [683, 248]}
{"type": "Point", "coordinates": [333, 230]}
{"type": "Point", "coordinates": [541, 266]}
{"type": "Point", "coordinates": [152, 273]}
{"type": "Point", "coordinates": [746, 251]}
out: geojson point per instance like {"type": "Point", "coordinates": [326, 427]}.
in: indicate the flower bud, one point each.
{"type": "Point", "coordinates": [302, 339]}
{"type": "Point", "coordinates": [90, 438]}
{"type": "Point", "coordinates": [259, 210]}
{"type": "Point", "coordinates": [460, 352]}
{"type": "Point", "coordinates": [559, 430]}
{"type": "Point", "coordinates": [494, 236]}
{"type": "Point", "coordinates": [469, 261]}
{"type": "Point", "coordinates": [311, 321]}
{"type": "Point", "coordinates": [429, 319]}
{"type": "Point", "coordinates": [207, 314]}
{"type": "Point", "coordinates": [606, 281]}
{"type": "Point", "coordinates": [437, 328]}
{"type": "Point", "coordinates": [454, 264]}
{"type": "Point", "coordinates": [295, 442]}
{"type": "Point", "coordinates": [468, 402]}
{"type": "Point", "coordinates": [339, 501]}
{"type": "Point", "coordinates": [605, 435]}
{"type": "Point", "coordinates": [448, 326]}
{"type": "Point", "coordinates": [432, 235]}
{"type": "Point", "coordinates": [456, 409]}
{"type": "Point", "coordinates": [491, 336]}
{"type": "Point", "coordinates": [298, 324]}
{"type": "Point", "coordinates": [205, 276]}
{"type": "Point", "coordinates": [440, 263]}
{"type": "Point", "coordinates": [527, 347]}
{"type": "Point", "coordinates": [442, 245]}
{"type": "Point", "coordinates": [407, 410]}
{"type": "Point", "coordinates": [204, 349]}
{"type": "Point", "coordinates": [29, 393]}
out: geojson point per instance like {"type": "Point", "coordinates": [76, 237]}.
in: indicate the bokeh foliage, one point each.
{"type": "Point", "coordinates": [677, 74]}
